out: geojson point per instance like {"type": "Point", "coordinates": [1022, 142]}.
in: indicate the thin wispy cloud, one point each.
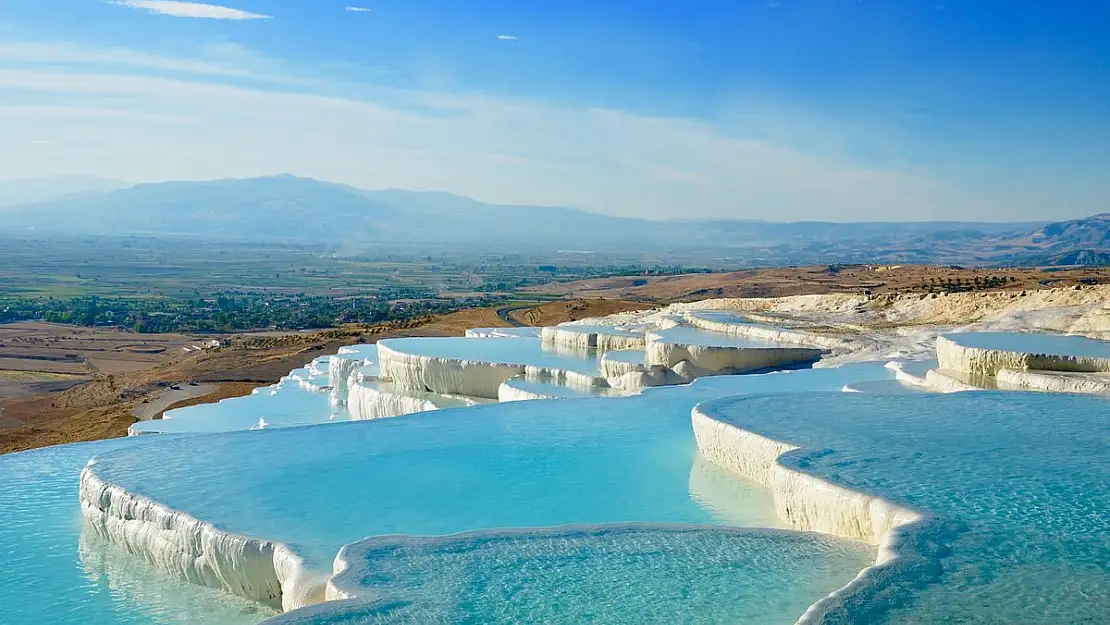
{"type": "Point", "coordinates": [507, 37]}
{"type": "Point", "coordinates": [177, 8]}
{"type": "Point", "coordinates": [354, 9]}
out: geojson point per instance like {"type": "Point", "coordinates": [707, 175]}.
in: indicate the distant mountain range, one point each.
{"type": "Point", "coordinates": [28, 190]}
{"type": "Point", "coordinates": [291, 208]}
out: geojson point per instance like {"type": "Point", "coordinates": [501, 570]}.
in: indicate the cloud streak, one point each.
{"type": "Point", "coordinates": [507, 37]}
{"type": "Point", "coordinates": [178, 8]}
{"type": "Point", "coordinates": [122, 122]}
{"type": "Point", "coordinates": [354, 9]}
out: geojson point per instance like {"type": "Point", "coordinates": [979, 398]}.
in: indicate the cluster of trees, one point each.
{"type": "Point", "coordinates": [230, 311]}
{"type": "Point", "coordinates": [527, 276]}
{"type": "Point", "coordinates": [958, 285]}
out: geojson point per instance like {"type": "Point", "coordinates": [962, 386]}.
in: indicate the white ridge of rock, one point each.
{"type": "Point", "coordinates": [719, 359]}
{"type": "Point", "coordinates": [339, 373]}
{"type": "Point", "coordinates": [581, 338]}
{"type": "Point", "coordinates": [198, 552]}
{"type": "Point", "coordinates": [982, 361]}
{"type": "Point", "coordinates": [366, 400]}
{"type": "Point", "coordinates": [943, 381]}
{"type": "Point", "coordinates": [806, 502]}
{"type": "Point", "coordinates": [616, 367]}
{"type": "Point", "coordinates": [509, 392]}
{"type": "Point", "coordinates": [474, 378]}
{"type": "Point", "coordinates": [778, 335]}
{"type": "Point", "coordinates": [495, 333]}
{"type": "Point", "coordinates": [1053, 381]}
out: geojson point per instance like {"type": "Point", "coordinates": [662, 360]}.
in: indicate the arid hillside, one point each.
{"type": "Point", "coordinates": [855, 279]}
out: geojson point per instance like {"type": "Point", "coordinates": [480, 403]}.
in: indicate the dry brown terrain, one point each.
{"type": "Point", "coordinates": [42, 409]}
{"type": "Point", "coordinates": [558, 312]}
{"type": "Point", "coordinates": [785, 281]}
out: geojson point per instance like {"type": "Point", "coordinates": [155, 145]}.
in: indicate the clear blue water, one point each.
{"type": "Point", "coordinates": [1032, 343]}
{"type": "Point", "coordinates": [517, 351]}
{"type": "Point", "coordinates": [721, 316]}
{"type": "Point", "coordinates": [52, 575]}
{"type": "Point", "coordinates": [882, 387]}
{"type": "Point", "coordinates": [1017, 484]}
{"type": "Point", "coordinates": [558, 390]}
{"type": "Point", "coordinates": [608, 574]}
{"type": "Point", "coordinates": [694, 336]}
{"type": "Point", "coordinates": [919, 368]}
{"type": "Point", "coordinates": [311, 487]}
{"type": "Point", "coordinates": [594, 460]}
{"type": "Point", "coordinates": [284, 405]}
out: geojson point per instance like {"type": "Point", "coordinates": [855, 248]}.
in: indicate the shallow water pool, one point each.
{"type": "Point", "coordinates": [1015, 483]}
{"type": "Point", "coordinates": [54, 575]}
{"type": "Point", "coordinates": [1034, 343]}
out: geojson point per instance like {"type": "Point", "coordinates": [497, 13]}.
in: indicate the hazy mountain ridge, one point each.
{"type": "Point", "coordinates": [303, 209]}
{"type": "Point", "coordinates": [28, 190]}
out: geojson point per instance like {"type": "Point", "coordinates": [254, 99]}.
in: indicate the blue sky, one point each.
{"type": "Point", "coordinates": [824, 109]}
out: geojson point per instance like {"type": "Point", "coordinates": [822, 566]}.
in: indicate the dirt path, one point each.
{"type": "Point", "coordinates": [168, 397]}
{"type": "Point", "coordinates": [506, 314]}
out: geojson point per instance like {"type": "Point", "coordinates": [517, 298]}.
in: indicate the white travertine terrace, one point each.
{"type": "Point", "coordinates": [804, 501]}
{"type": "Point", "coordinates": [500, 333]}
{"type": "Point", "coordinates": [181, 545]}
{"type": "Point", "coordinates": [904, 376]}
{"type": "Point", "coordinates": [445, 375]}
{"type": "Point", "coordinates": [983, 361]}
{"type": "Point", "coordinates": [367, 399]}
{"type": "Point", "coordinates": [475, 378]}
{"type": "Point", "coordinates": [767, 333]}
{"type": "Point", "coordinates": [720, 359]}
{"type": "Point", "coordinates": [509, 392]}
{"type": "Point", "coordinates": [339, 373]}
{"type": "Point", "coordinates": [1053, 381]}
{"type": "Point", "coordinates": [581, 337]}
{"type": "Point", "coordinates": [614, 367]}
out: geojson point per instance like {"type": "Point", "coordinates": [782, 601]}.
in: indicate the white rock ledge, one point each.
{"type": "Point", "coordinates": [365, 401]}
{"type": "Point", "coordinates": [806, 502]}
{"type": "Point", "coordinates": [663, 352]}
{"type": "Point", "coordinates": [580, 338]}
{"type": "Point", "coordinates": [981, 361]}
{"type": "Point", "coordinates": [474, 378]}
{"type": "Point", "coordinates": [767, 333]}
{"type": "Point", "coordinates": [1053, 381]}
{"type": "Point", "coordinates": [198, 552]}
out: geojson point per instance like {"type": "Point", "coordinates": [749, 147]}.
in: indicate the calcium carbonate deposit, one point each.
{"type": "Point", "coordinates": [636, 482]}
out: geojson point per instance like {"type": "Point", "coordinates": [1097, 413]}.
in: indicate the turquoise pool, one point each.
{"type": "Point", "coordinates": [1034, 343]}
{"type": "Point", "coordinates": [1015, 484]}
{"type": "Point", "coordinates": [53, 574]}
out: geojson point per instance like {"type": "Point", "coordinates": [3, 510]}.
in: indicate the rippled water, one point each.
{"type": "Point", "coordinates": [522, 464]}
{"type": "Point", "coordinates": [1016, 481]}
{"type": "Point", "coordinates": [51, 574]}
{"type": "Point", "coordinates": [542, 463]}
{"type": "Point", "coordinates": [609, 574]}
